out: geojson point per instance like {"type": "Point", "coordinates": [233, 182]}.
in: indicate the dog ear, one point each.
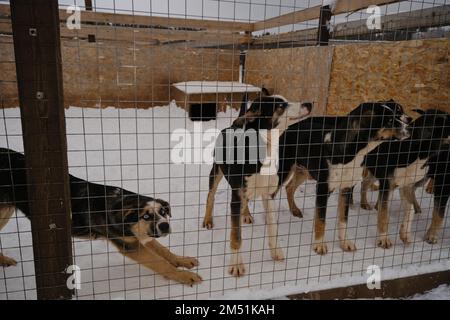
{"type": "Point", "coordinates": [265, 92]}
{"type": "Point", "coordinates": [308, 106]}
{"type": "Point", "coordinates": [248, 117]}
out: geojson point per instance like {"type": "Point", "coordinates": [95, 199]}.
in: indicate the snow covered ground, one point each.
{"type": "Point", "coordinates": [440, 293]}
{"type": "Point", "coordinates": [131, 149]}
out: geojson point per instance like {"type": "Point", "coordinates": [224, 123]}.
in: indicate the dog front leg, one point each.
{"type": "Point", "coordinates": [343, 207]}
{"type": "Point", "coordinates": [6, 212]}
{"type": "Point", "coordinates": [383, 215]}
{"type": "Point", "coordinates": [148, 257]}
{"type": "Point", "coordinates": [175, 260]}
{"type": "Point", "coordinates": [245, 212]}
{"type": "Point", "coordinates": [322, 194]}
{"type": "Point", "coordinates": [272, 226]}
{"type": "Point", "coordinates": [299, 177]}
{"type": "Point", "coordinates": [236, 267]}
{"type": "Point", "coordinates": [440, 204]}
{"type": "Point", "coordinates": [366, 183]}
{"type": "Point", "coordinates": [215, 176]}
{"type": "Point", "coordinates": [407, 199]}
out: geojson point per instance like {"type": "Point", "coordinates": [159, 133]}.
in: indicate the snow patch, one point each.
{"type": "Point", "coordinates": [198, 87]}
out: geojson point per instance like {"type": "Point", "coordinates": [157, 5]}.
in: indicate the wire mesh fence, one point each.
{"type": "Point", "coordinates": [150, 85]}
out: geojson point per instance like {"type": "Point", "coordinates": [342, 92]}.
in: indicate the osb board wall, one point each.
{"type": "Point", "coordinates": [299, 74]}
{"type": "Point", "coordinates": [414, 73]}
{"type": "Point", "coordinates": [338, 78]}
{"type": "Point", "coordinates": [122, 75]}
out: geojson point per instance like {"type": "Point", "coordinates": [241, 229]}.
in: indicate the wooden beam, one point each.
{"type": "Point", "coordinates": [289, 18]}
{"type": "Point", "coordinates": [293, 37]}
{"type": "Point", "coordinates": [39, 80]}
{"type": "Point", "coordinates": [313, 13]}
{"type": "Point", "coordinates": [393, 288]}
{"type": "Point", "coordinates": [344, 6]}
{"type": "Point", "coordinates": [145, 35]}
{"type": "Point", "coordinates": [324, 26]}
{"type": "Point", "coordinates": [150, 35]}
{"type": "Point", "coordinates": [426, 18]}
{"type": "Point", "coordinates": [145, 20]}
{"type": "Point", "coordinates": [431, 17]}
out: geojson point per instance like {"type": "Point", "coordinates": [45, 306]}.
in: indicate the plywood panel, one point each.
{"type": "Point", "coordinates": [116, 74]}
{"type": "Point", "coordinates": [299, 74]}
{"type": "Point", "coordinates": [414, 73]}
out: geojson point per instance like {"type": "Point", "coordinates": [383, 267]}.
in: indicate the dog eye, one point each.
{"type": "Point", "coordinates": [146, 217]}
{"type": "Point", "coordinates": [164, 211]}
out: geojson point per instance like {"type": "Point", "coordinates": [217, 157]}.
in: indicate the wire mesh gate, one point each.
{"type": "Point", "coordinates": [132, 71]}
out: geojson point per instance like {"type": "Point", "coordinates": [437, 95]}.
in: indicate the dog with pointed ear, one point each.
{"type": "Point", "coordinates": [270, 112]}
{"type": "Point", "coordinates": [245, 101]}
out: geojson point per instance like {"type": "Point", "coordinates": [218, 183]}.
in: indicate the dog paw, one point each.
{"type": "Point", "coordinates": [247, 219]}
{"type": "Point", "coordinates": [187, 277]}
{"type": "Point", "coordinates": [348, 246]}
{"type": "Point", "coordinates": [430, 238]}
{"type": "Point", "coordinates": [384, 243]}
{"type": "Point", "coordinates": [208, 223]}
{"type": "Point", "coordinates": [6, 261]}
{"type": "Point", "coordinates": [366, 206]}
{"type": "Point", "coordinates": [321, 248]}
{"type": "Point", "coordinates": [236, 268]}
{"type": "Point", "coordinates": [277, 254]}
{"type": "Point", "coordinates": [405, 236]}
{"type": "Point", "coordinates": [187, 262]}
{"type": "Point", "coordinates": [296, 212]}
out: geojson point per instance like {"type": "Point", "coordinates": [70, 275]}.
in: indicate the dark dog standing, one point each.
{"type": "Point", "coordinates": [439, 172]}
{"type": "Point", "coordinates": [309, 149]}
{"type": "Point", "coordinates": [404, 164]}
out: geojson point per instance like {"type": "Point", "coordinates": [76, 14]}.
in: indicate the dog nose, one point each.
{"type": "Point", "coordinates": [164, 227]}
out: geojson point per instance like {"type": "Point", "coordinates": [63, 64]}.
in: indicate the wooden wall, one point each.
{"type": "Point", "coordinates": [337, 78]}
{"type": "Point", "coordinates": [414, 73]}
{"type": "Point", "coordinates": [123, 75]}
{"type": "Point", "coordinates": [299, 74]}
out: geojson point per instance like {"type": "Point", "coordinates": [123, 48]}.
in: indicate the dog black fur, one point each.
{"type": "Point", "coordinates": [265, 113]}
{"type": "Point", "coordinates": [403, 164]}
{"type": "Point", "coordinates": [310, 150]}
{"type": "Point", "coordinates": [128, 220]}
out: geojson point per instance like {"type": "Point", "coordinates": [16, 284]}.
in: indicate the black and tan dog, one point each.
{"type": "Point", "coordinates": [128, 220]}
{"type": "Point", "coordinates": [439, 173]}
{"type": "Point", "coordinates": [333, 158]}
{"type": "Point", "coordinates": [408, 164]}
{"type": "Point", "coordinates": [267, 114]}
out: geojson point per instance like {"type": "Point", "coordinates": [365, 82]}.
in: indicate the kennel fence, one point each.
{"type": "Point", "coordinates": [121, 112]}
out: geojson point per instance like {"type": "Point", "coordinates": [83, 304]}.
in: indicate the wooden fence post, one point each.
{"type": "Point", "coordinates": [37, 49]}
{"type": "Point", "coordinates": [324, 26]}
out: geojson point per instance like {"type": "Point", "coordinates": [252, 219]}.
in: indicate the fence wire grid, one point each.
{"type": "Point", "coordinates": [148, 86]}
